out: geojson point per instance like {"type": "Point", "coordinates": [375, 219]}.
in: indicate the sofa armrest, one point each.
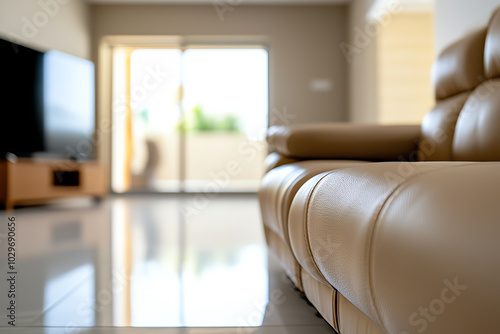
{"type": "Point", "coordinates": [344, 141]}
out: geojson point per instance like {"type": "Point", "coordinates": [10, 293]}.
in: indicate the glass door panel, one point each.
{"type": "Point", "coordinates": [155, 81]}
{"type": "Point", "coordinates": [226, 107]}
{"type": "Point", "coordinates": [191, 120]}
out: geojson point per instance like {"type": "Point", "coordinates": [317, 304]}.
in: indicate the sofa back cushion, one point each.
{"type": "Point", "coordinates": [456, 73]}
{"type": "Point", "coordinates": [465, 122]}
{"type": "Point", "coordinates": [477, 133]}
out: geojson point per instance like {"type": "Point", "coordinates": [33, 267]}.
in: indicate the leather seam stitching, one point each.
{"type": "Point", "coordinates": [336, 308]}
{"type": "Point", "coordinates": [306, 226]}
{"type": "Point", "coordinates": [286, 234]}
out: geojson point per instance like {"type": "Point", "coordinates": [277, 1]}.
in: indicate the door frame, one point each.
{"type": "Point", "coordinates": [104, 81]}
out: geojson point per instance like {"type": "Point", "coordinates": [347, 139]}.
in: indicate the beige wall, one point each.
{"type": "Point", "coordinates": [455, 18]}
{"type": "Point", "coordinates": [361, 59]}
{"type": "Point", "coordinates": [47, 24]}
{"type": "Point", "coordinates": [374, 95]}
{"type": "Point", "coordinates": [303, 46]}
{"type": "Point", "coordinates": [452, 20]}
{"type": "Point", "coordinates": [405, 57]}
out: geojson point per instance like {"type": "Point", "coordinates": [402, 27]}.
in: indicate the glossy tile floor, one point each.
{"type": "Point", "coordinates": [148, 264]}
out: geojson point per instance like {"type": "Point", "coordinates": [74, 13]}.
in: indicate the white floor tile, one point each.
{"type": "Point", "coordinates": [150, 264]}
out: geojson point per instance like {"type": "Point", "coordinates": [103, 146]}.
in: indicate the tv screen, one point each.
{"type": "Point", "coordinates": [49, 103]}
{"type": "Point", "coordinates": [68, 105]}
{"type": "Point", "coordinates": [21, 92]}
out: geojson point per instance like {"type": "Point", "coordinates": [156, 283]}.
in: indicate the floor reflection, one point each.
{"type": "Point", "coordinates": [193, 270]}
{"type": "Point", "coordinates": [141, 261]}
{"type": "Point", "coordinates": [189, 264]}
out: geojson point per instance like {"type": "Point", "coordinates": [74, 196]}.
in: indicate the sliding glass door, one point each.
{"type": "Point", "coordinates": [193, 120]}
{"type": "Point", "coordinates": [225, 104]}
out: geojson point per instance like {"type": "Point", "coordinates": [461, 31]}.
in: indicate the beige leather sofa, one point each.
{"type": "Point", "coordinates": [396, 229]}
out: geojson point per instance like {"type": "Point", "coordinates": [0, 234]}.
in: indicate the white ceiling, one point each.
{"type": "Point", "coordinates": [229, 2]}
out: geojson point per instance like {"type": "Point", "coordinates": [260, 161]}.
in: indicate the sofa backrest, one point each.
{"type": "Point", "coordinates": [465, 122]}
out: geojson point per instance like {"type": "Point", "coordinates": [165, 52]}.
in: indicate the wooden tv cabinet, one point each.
{"type": "Point", "coordinates": [30, 181]}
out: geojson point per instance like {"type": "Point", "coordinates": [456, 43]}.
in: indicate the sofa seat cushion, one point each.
{"type": "Point", "coordinates": [275, 160]}
{"type": "Point", "coordinates": [280, 185]}
{"type": "Point", "coordinates": [336, 219]}
{"type": "Point", "coordinates": [436, 250]}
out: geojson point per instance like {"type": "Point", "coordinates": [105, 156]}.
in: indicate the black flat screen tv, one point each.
{"type": "Point", "coordinates": [48, 103]}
